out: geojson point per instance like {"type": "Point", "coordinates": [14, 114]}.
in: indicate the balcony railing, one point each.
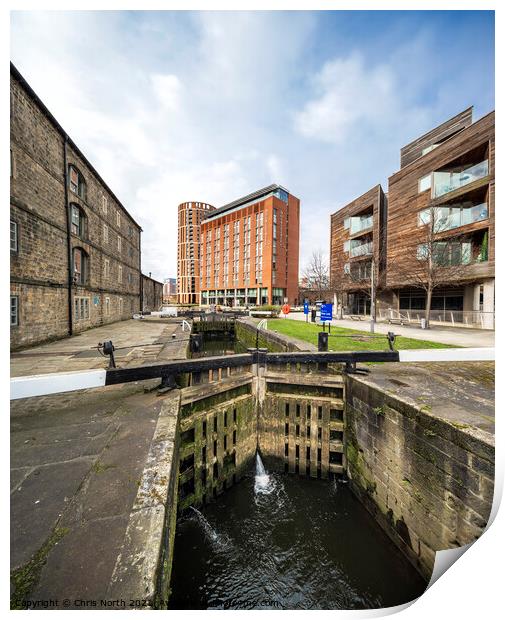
{"type": "Point", "coordinates": [357, 224]}
{"type": "Point", "coordinates": [363, 249]}
{"type": "Point", "coordinates": [445, 182]}
{"type": "Point", "coordinates": [448, 218]}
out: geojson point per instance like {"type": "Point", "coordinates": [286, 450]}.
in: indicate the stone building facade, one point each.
{"type": "Point", "coordinates": [74, 248]}
{"type": "Point", "coordinates": [152, 294]}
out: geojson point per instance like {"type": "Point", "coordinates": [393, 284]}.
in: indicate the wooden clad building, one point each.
{"type": "Point", "coordinates": [435, 223]}
{"type": "Point", "coordinates": [446, 191]}
{"type": "Point", "coordinates": [358, 247]}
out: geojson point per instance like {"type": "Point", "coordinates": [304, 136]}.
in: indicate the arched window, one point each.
{"type": "Point", "coordinates": [80, 266]}
{"type": "Point", "coordinates": [76, 182]}
{"type": "Point", "coordinates": [77, 221]}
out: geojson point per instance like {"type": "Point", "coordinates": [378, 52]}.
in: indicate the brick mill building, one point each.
{"type": "Point", "coordinates": [74, 248]}
{"type": "Point", "coordinates": [439, 207]}
{"type": "Point", "coordinates": [250, 250]}
{"type": "Point", "coordinates": [190, 217]}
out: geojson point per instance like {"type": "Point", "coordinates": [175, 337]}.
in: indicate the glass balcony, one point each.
{"type": "Point", "coordinates": [357, 224]}
{"type": "Point", "coordinates": [361, 249]}
{"type": "Point", "coordinates": [454, 253]}
{"type": "Point", "coordinates": [454, 217]}
{"type": "Point", "coordinates": [445, 182]}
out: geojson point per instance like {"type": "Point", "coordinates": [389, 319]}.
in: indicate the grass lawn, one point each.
{"type": "Point", "coordinates": [342, 339]}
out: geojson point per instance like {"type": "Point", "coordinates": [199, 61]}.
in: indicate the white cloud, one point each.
{"type": "Point", "coordinates": [168, 90]}
{"type": "Point", "coordinates": [175, 106]}
{"type": "Point", "coordinates": [348, 95]}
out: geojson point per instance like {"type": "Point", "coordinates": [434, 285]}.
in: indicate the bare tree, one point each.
{"type": "Point", "coordinates": [316, 273]}
{"type": "Point", "coordinates": [437, 258]}
{"type": "Point", "coordinates": [368, 277]}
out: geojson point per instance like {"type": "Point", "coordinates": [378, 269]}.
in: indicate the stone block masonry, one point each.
{"type": "Point", "coordinates": [74, 248]}
{"type": "Point", "coordinates": [428, 481]}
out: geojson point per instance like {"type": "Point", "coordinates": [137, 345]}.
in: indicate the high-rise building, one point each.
{"type": "Point", "coordinates": [190, 216]}
{"type": "Point", "coordinates": [250, 250]}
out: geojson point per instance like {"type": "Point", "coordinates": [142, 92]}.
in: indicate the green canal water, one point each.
{"type": "Point", "coordinates": [276, 541]}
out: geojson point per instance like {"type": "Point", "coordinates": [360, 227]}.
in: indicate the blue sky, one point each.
{"type": "Point", "coordinates": [176, 106]}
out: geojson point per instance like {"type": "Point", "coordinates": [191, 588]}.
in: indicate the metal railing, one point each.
{"type": "Point", "coordinates": [467, 318]}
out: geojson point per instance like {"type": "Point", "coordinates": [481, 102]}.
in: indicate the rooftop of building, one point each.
{"type": "Point", "coordinates": [249, 198]}
{"type": "Point", "coordinates": [44, 109]}
{"type": "Point", "coordinates": [435, 136]}
{"type": "Point", "coordinates": [376, 189]}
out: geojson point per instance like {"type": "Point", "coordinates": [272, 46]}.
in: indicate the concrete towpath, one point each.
{"type": "Point", "coordinates": [78, 464]}
{"type": "Point", "coordinates": [460, 336]}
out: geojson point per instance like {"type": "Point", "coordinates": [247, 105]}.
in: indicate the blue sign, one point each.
{"type": "Point", "coordinates": [326, 312]}
{"type": "Point", "coordinates": [306, 308]}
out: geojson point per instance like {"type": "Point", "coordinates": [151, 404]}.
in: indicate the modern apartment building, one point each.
{"type": "Point", "coordinates": [190, 216]}
{"type": "Point", "coordinates": [250, 250]}
{"type": "Point", "coordinates": [74, 248]}
{"type": "Point", "coordinates": [441, 209]}
{"type": "Point", "coordinates": [435, 224]}
{"type": "Point", "coordinates": [170, 290]}
{"type": "Point", "coordinates": [358, 247]}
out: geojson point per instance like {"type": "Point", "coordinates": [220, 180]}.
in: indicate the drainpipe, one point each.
{"type": "Point", "coordinates": [141, 288]}
{"type": "Point", "coordinates": [69, 238]}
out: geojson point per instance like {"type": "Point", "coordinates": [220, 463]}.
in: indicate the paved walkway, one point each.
{"type": "Point", "coordinates": [462, 336]}
{"type": "Point", "coordinates": [77, 461]}
{"type": "Point", "coordinates": [137, 343]}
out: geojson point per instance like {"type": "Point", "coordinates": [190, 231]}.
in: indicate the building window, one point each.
{"type": "Point", "coordinates": [424, 217]}
{"type": "Point", "coordinates": [104, 204]}
{"type": "Point", "coordinates": [14, 236]}
{"type": "Point", "coordinates": [130, 277]}
{"type": "Point", "coordinates": [80, 265]}
{"type": "Point", "coordinates": [106, 267]}
{"type": "Point", "coordinates": [81, 308]}
{"type": "Point", "coordinates": [76, 182]}
{"type": "Point", "coordinates": [118, 219]}
{"type": "Point", "coordinates": [107, 306]}
{"type": "Point", "coordinates": [120, 273]}
{"type": "Point", "coordinates": [77, 221]}
{"type": "Point", "coordinates": [14, 310]}
{"type": "Point", "coordinates": [105, 233]}
{"type": "Point", "coordinates": [425, 183]}
{"type": "Point", "coordinates": [121, 306]}
{"type": "Point", "coordinates": [118, 243]}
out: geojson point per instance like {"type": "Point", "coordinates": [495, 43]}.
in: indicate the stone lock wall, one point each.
{"type": "Point", "coordinates": [428, 482]}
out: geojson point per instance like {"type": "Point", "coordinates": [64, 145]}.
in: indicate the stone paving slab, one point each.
{"type": "Point", "coordinates": [77, 463]}
{"type": "Point", "coordinates": [461, 392]}
{"type": "Point", "coordinates": [137, 343]}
